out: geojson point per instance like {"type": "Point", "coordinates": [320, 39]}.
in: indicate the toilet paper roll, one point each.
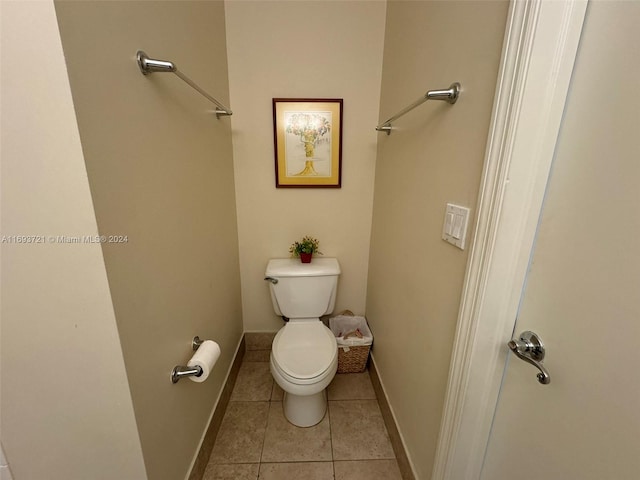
{"type": "Point", "coordinates": [205, 357]}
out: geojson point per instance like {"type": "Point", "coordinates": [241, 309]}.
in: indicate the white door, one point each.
{"type": "Point", "coordinates": [582, 295]}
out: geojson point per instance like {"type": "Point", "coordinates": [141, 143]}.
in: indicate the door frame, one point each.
{"type": "Point", "coordinates": [539, 51]}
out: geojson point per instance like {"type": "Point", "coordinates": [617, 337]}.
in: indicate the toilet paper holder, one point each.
{"type": "Point", "coordinates": [180, 371]}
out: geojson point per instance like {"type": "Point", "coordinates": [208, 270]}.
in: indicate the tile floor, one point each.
{"type": "Point", "coordinates": [255, 441]}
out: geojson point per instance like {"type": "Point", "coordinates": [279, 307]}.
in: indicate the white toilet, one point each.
{"type": "Point", "coordinates": [304, 354]}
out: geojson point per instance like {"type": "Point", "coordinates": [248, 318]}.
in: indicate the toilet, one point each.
{"type": "Point", "coordinates": [304, 354]}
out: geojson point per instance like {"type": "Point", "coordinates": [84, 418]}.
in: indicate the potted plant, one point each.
{"type": "Point", "coordinates": [305, 248]}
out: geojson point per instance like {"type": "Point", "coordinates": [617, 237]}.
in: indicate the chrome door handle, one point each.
{"type": "Point", "coordinates": [531, 349]}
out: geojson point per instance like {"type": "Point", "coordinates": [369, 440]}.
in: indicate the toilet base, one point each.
{"type": "Point", "coordinates": [305, 411]}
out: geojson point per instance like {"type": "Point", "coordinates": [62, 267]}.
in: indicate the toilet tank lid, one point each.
{"type": "Point", "coordinates": [293, 267]}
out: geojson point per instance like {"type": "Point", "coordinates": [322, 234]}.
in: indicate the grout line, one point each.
{"type": "Point", "coordinates": [353, 400]}
{"type": "Point", "coordinates": [333, 460]}
{"type": "Point", "coordinates": [305, 461]}
{"type": "Point", "coordinates": [264, 438]}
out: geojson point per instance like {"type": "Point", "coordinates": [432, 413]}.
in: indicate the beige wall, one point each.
{"type": "Point", "coordinates": [66, 408]}
{"type": "Point", "coordinates": [303, 50]}
{"type": "Point", "coordinates": [434, 156]}
{"type": "Point", "coordinates": [161, 171]}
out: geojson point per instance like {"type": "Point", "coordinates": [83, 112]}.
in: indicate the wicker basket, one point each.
{"type": "Point", "coordinates": [354, 360]}
{"type": "Point", "coordinates": [351, 358]}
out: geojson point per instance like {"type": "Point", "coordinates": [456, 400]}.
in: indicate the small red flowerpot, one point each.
{"type": "Point", "coordinates": [305, 257]}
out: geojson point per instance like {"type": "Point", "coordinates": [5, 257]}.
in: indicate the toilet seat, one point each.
{"type": "Point", "coordinates": [304, 352]}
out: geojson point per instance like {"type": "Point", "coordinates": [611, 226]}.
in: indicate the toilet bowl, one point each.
{"type": "Point", "coordinates": [304, 360]}
{"type": "Point", "coordinates": [304, 354]}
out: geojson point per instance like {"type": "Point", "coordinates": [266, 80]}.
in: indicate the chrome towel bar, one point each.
{"type": "Point", "coordinates": [150, 65]}
{"type": "Point", "coordinates": [448, 95]}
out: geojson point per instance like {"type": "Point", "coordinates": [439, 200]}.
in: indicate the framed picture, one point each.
{"type": "Point", "coordinates": [307, 134]}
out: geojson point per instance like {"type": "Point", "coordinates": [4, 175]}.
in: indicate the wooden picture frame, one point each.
{"type": "Point", "coordinates": [307, 134]}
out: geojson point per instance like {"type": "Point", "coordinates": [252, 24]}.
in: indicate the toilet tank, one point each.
{"type": "Point", "coordinates": [303, 290]}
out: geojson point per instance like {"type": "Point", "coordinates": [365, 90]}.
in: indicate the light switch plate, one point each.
{"type": "Point", "coordinates": [456, 220]}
